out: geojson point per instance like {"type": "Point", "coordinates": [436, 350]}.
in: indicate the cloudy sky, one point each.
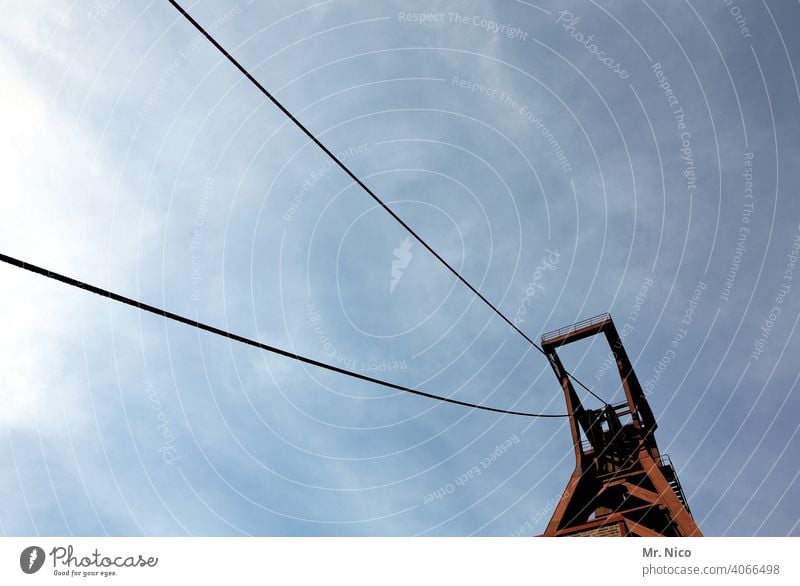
{"type": "Point", "coordinates": [570, 159]}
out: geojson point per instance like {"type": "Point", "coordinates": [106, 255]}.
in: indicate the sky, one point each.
{"type": "Point", "coordinates": [569, 159]}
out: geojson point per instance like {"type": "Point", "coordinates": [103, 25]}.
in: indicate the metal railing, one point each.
{"type": "Point", "coordinates": [577, 326]}
{"type": "Point", "coordinates": [675, 483]}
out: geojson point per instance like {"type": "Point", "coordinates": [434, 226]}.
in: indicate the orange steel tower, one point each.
{"type": "Point", "coordinates": [622, 484]}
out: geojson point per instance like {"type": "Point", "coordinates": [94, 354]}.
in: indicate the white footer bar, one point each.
{"type": "Point", "coordinates": [401, 561]}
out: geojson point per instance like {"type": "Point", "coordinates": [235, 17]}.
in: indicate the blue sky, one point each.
{"type": "Point", "coordinates": [650, 171]}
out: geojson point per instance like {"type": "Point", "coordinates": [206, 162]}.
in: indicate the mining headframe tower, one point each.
{"type": "Point", "coordinates": [622, 485]}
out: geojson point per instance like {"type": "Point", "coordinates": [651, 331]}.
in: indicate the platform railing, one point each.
{"type": "Point", "coordinates": [673, 481]}
{"type": "Point", "coordinates": [576, 326]}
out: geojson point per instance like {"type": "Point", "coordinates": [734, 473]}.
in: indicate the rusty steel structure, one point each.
{"type": "Point", "coordinates": [622, 485]}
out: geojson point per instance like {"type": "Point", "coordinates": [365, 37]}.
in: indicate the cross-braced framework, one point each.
{"type": "Point", "coordinates": [622, 485]}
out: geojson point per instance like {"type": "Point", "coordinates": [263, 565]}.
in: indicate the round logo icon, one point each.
{"type": "Point", "coordinates": [31, 559]}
